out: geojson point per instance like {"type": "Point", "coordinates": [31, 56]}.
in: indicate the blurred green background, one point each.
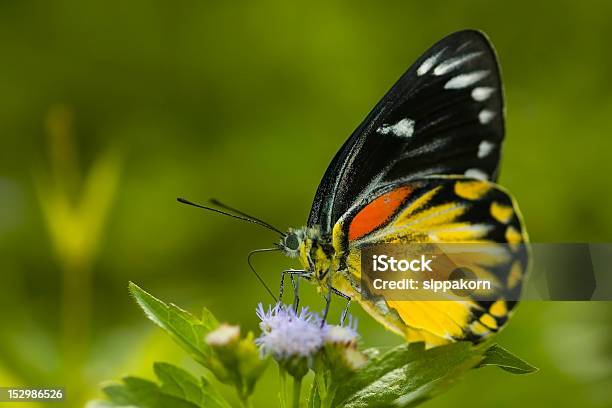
{"type": "Point", "coordinates": [111, 109]}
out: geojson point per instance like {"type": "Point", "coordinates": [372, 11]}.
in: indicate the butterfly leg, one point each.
{"type": "Point", "coordinates": [327, 303]}
{"type": "Point", "coordinates": [348, 303]}
{"type": "Point", "coordinates": [295, 282]}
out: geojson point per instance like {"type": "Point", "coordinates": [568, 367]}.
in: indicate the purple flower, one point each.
{"type": "Point", "coordinates": [287, 334]}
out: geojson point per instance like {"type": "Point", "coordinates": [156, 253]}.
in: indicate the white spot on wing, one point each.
{"type": "Point", "coordinates": [453, 63]}
{"type": "Point", "coordinates": [485, 116]}
{"type": "Point", "coordinates": [482, 93]}
{"type": "Point", "coordinates": [465, 80]}
{"type": "Point", "coordinates": [429, 62]}
{"type": "Point", "coordinates": [403, 128]}
{"type": "Point", "coordinates": [484, 148]}
{"type": "Point", "coordinates": [477, 174]}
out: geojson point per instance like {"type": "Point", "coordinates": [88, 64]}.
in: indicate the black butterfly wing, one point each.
{"type": "Point", "coordinates": [443, 116]}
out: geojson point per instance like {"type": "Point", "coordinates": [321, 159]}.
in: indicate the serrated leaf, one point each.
{"type": "Point", "coordinates": [178, 389]}
{"type": "Point", "coordinates": [407, 375]}
{"type": "Point", "coordinates": [187, 330]}
{"type": "Point", "coordinates": [498, 356]}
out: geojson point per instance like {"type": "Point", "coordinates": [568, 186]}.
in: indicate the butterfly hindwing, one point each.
{"type": "Point", "coordinates": [443, 210]}
{"type": "Point", "coordinates": [443, 116]}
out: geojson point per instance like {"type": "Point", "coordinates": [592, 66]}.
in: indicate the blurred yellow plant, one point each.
{"type": "Point", "coordinates": [75, 214]}
{"type": "Point", "coordinates": [75, 211]}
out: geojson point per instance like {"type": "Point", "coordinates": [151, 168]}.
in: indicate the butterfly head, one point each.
{"type": "Point", "coordinates": [293, 241]}
{"type": "Point", "coordinates": [297, 240]}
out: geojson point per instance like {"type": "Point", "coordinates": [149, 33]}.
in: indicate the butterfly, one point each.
{"type": "Point", "coordinates": [421, 168]}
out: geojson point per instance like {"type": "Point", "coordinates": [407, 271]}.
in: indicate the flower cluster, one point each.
{"type": "Point", "coordinates": [291, 336]}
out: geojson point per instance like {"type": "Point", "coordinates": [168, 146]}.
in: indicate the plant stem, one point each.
{"type": "Point", "coordinates": [297, 388]}
{"type": "Point", "coordinates": [75, 306]}
{"type": "Point", "coordinates": [283, 386]}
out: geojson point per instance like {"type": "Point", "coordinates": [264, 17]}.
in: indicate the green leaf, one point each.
{"type": "Point", "coordinates": [185, 329]}
{"type": "Point", "coordinates": [498, 356]}
{"type": "Point", "coordinates": [208, 319]}
{"type": "Point", "coordinates": [407, 375]}
{"type": "Point", "coordinates": [178, 389]}
{"type": "Point", "coordinates": [179, 383]}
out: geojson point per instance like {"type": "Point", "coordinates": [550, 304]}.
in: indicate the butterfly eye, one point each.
{"type": "Point", "coordinates": [292, 242]}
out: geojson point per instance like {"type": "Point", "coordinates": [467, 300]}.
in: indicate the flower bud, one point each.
{"type": "Point", "coordinates": [224, 335]}
{"type": "Point", "coordinates": [340, 354]}
{"type": "Point", "coordinates": [235, 361]}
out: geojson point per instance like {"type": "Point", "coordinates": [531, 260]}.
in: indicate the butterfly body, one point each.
{"type": "Point", "coordinates": [421, 169]}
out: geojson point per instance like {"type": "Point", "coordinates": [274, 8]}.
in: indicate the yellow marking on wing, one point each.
{"type": "Point", "coordinates": [353, 263]}
{"type": "Point", "coordinates": [459, 232]}
{"type": "Point", "coordinates": [478, 328]}
{"type": "Point", "coordinates": [515, 275]}
{"type": "Point", "coordinates": [391, 235]}
{"type": "Point", "coordinates": [418, 203]}
{"type": "Point", "coordinates": [499, 309]}
{"type": "Point", "coordinates": [502, 213]}
{"type": "Point", "coordinates": [488, 321]}
{"type": "Point", "coordinates": [338, 238]}
{"type": "Point", "coordinates": [490, 254]}
{"type": "Point", "coordinates": [458, 317]}
{"type": "Point", "coordinates": [472, 190]}
{"type": "Point", "coordinates": [447, 319]}
{"type": "Point", "coordinates": [513, 236]}
{"type": "Point", "coordinates": [440, 214]}
{"type": "Point", "coordinates": [413, 335]}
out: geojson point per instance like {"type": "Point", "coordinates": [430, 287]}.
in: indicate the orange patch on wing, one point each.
{"type": "Point", "coordinates": [377, 212]}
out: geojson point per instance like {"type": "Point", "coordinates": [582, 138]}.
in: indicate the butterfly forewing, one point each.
{"type": "Point", "coordinates": [443, 116]}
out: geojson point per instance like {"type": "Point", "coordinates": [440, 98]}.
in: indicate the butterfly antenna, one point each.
{"type": "Point", "coordinates": [239, 217]}
{"type": "Point", "coordinates": [255, 272]}
{"type": "Point", "coordinates": [242, 213]}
